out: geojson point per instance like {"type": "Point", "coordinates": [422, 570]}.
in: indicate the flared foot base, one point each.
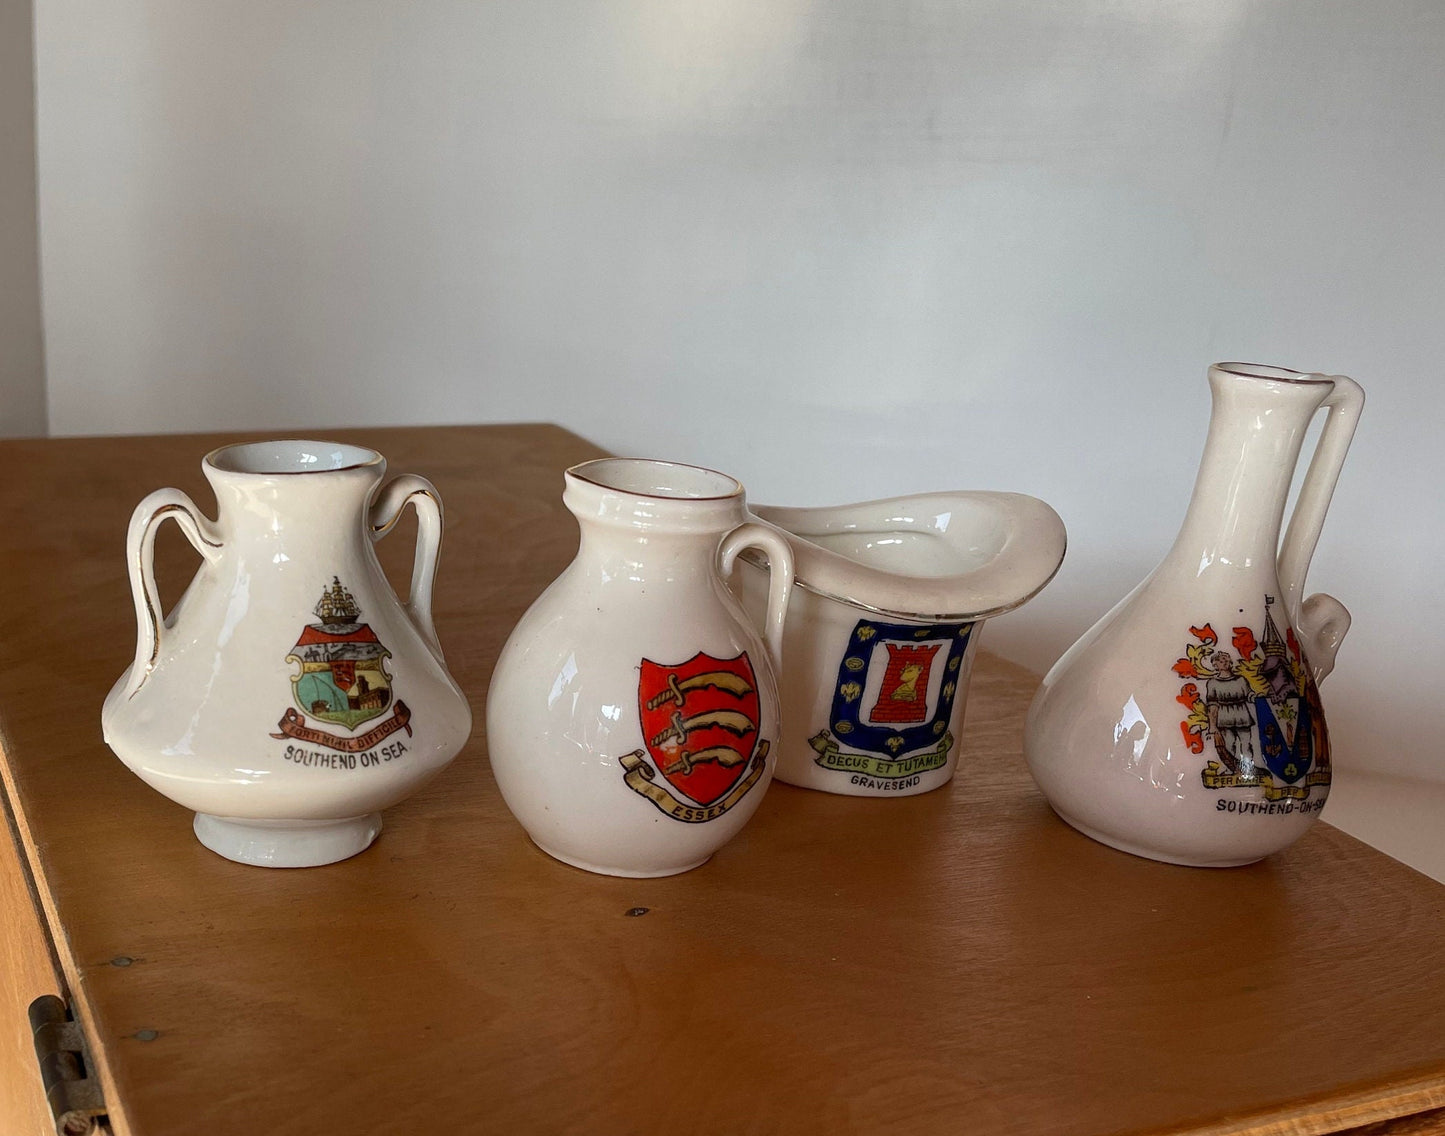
{"type": "Point", "coordinates": [287, 843]}
{"type": "Point", "coordinates": [1149, 854]}
{"type": "Point", "coordinates": [627, 873]}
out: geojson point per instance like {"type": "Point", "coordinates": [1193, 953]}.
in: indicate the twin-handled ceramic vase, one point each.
{"type": "Point", "coordinates": [290, 696]}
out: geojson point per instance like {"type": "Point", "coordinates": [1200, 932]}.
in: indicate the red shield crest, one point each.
{"type": "Point", "coordinates": [343, 673]}
{"type": "Point", "coordinates": [903, 696]}
{"type": "Point", "coordinates": [700, 722]}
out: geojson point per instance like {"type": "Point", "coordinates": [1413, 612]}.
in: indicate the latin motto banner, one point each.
{"type": "Point", "coordinates": [293, 725]}
{"type": "Point", "coordinates": [641, 778]}
{"type": "Point", "coordinates": [844, 761]}
{"type": "Point", "coordinates": [1215, 777]}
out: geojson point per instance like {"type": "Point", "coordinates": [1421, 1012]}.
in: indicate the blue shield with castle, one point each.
{"type": "Point", "coordinates": [894, 697]}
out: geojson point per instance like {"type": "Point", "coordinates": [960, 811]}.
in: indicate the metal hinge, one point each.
{"type": "Point", "coordinates": [71, 1088]}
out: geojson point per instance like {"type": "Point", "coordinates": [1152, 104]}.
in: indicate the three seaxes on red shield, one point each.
{"type": "Point", "coordinates": [699, 721]}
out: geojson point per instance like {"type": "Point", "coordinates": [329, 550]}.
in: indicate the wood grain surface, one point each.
{"type": "Point", "coordinates": [26, 972]}
{"type": "Point", "coordinates": [956, 962]}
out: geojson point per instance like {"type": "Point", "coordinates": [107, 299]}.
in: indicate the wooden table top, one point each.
{"type": "Point", "coordinates": [956, 962]}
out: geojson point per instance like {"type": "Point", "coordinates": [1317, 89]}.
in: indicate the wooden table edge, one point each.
{"type": "Point", "coordinates": [69, 977]}
{"type": "Point", "coordinates": [1328, 1113]}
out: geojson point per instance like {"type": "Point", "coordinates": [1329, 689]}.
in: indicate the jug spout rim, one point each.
{"type": "Point", "coordinates": [1273, 374]}
{"type": "Point", "coordinates": [661, 480]}
{"type": "Point", "coordinates": [654, 496]}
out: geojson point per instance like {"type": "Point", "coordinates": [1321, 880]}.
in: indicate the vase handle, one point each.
{"type": "Point", "coordinates": [756, 534]}
{"type": "Point", "coordinates": [140, 544]}
{"type": "Point", "coordinates": [386, 510]}
{"type": "Point", "coordinates": [1321, 620]}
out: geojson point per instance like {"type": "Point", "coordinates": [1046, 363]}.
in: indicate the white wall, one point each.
{"type": "Point", "coordinates": [22, 362]}
{"type": "Point", "coordinates": [841, 249]}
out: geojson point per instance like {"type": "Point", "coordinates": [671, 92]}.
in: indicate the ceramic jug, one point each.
{"type": "Point", "coordinates": [632, 718]}
{"type": "Point", "coordinates": [1186, 726]}
{"type": "Point", "coordinates": [289, 696]}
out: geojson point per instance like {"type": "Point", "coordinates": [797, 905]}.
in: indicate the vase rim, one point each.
{"type": "Point", "coordinates": [289, 457]}
{"type": "Point", "coordinates": [1272, 374]}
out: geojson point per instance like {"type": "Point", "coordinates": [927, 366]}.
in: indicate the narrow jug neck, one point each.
{"type": "Point", "coordinates": [1256, 429]}
{"type": "Point", "coordinates": [647, 557]}
{"type": "Point", "coordinates": [651, 521]}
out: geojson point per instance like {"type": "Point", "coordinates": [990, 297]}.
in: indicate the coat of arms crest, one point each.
{"type": "Point", "coordinates": [700, 721]}
{"type": "Point", "coordinates": [342, 678]}
{"type": "Point", "coordinates": [1258, 712]}
{"type": "Point", "coordinates": [893, 699]}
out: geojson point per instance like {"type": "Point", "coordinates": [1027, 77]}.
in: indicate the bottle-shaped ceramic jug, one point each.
{"type": "Point", "coordinates": [1186, 725]}
{"type": "Point", "coordinates": [289, 696]}
{"type": "Point", "coordinates": [633, 714]}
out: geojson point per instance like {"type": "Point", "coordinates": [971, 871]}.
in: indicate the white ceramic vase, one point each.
{"type": "Point", "coordinates": [1186, 725]}
{"type": "Point", "coordinates": [632, 719]}
{"type": "Point", "coordinates": [289, 696]}
{"type": "Point", "coordinates": [883, 626]}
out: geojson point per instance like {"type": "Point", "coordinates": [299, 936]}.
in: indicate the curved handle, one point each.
{"type": "Point", "coordinates": [756, 534]}
{"type": "Point", "coordinates": [386, 510]}
{"type": "Point", "coordinates": [140, 543]}
{"type": "Point", "coordinates": [1344, 405]}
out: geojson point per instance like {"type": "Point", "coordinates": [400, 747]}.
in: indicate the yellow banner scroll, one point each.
{"type": "Point", "coordinates": [1215, 776]}
{"type": "Point", "coordinates": [293, 725]}
{"type": "Point", "coordinates": [830, 756]}
{"type": "Point", "coordinates": [641, 778]}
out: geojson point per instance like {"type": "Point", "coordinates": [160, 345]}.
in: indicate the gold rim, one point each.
{"type": "Point", "coordinates": [576, 471]}
{"type": "Point", "coordinates": [1271, 374]}
{"type": "Point", "coordinates": [209, 460]}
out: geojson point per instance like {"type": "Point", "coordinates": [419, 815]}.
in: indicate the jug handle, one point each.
{"type": "Point", "coordinates": [756, 534]}
{"type": "Point", "coordinates": [1321, 621]}
{"type": "Point", "coordinates": [140, 543]}
{"type": "Point", "coordinates": [386, 510]}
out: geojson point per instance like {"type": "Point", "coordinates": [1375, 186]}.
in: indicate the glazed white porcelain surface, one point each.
{"type": "Point", "coordinates": [289, 696]}
{"type": "Point", "coordinates": [883, 626]}
{"type": "Point", "coordinates": [1186, 724]}
{"type": "Point", "coordinates": [632, 719]}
